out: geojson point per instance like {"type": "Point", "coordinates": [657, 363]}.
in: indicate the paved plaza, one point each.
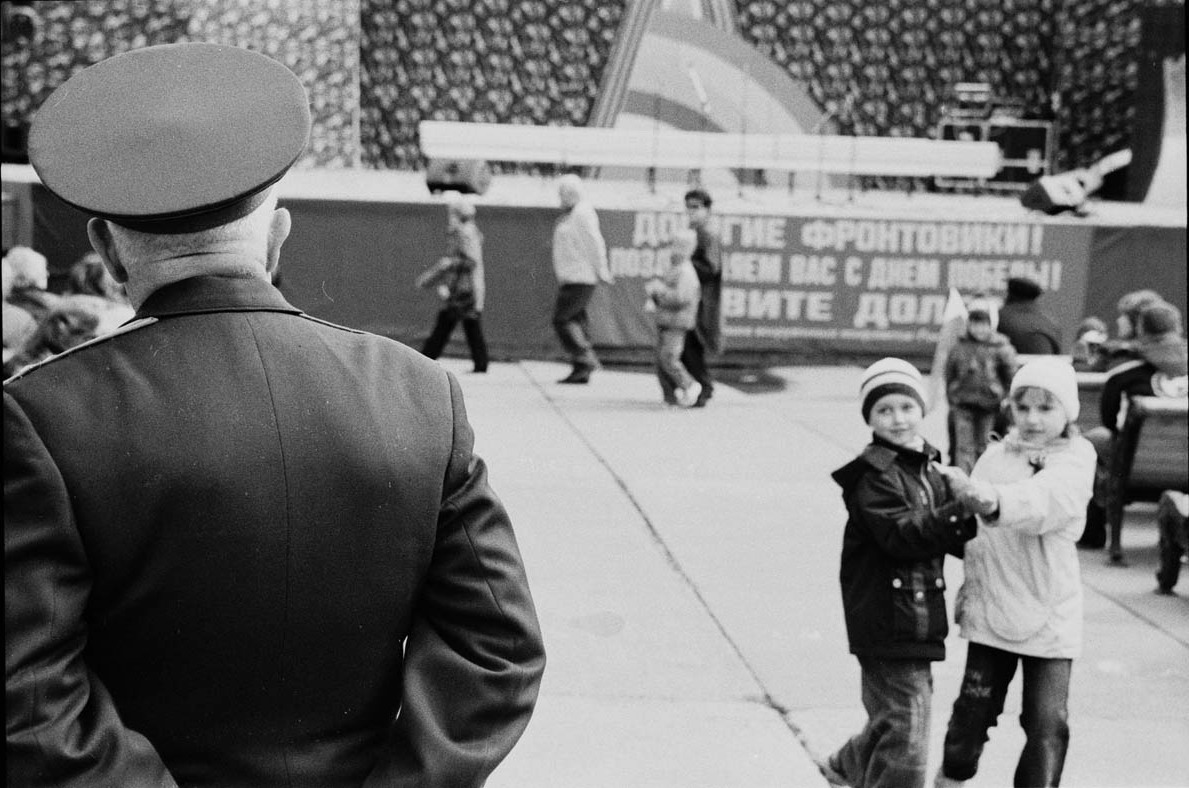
{"type": "Point", "coordinates": [685, 569]}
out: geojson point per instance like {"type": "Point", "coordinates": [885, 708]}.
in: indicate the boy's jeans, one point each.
{"type": "Point", "coordinates": [1044, 715]}
{"type": "Point", "coordinates": [891, 750]}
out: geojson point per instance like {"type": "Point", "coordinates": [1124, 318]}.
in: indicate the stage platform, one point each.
{"type": "Point", "coordinates": [523, 191]}
{"type": "Point", "coordinates": [809, 273]}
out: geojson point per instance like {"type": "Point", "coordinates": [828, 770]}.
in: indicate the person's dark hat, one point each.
{"type": "Point", "coordinates": [171, 139]}
{"type": "Point", "coordinates": [1024, 288]}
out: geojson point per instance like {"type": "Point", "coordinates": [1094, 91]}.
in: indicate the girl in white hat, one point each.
{"type": "Point", "coordinates": [1021, 601]}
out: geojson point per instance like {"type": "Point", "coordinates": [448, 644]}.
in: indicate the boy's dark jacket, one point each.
{"type": "Point", "coordinates": [902, 520]}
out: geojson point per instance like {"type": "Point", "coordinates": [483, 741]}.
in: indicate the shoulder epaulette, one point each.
{"type": "Point", "coordinates": [331, 325]}
{"type": "Point", "coordinates": [124, 329]}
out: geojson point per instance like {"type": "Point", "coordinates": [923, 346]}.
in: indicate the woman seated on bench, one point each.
{"type": "Point", "coordinates": [1158, 369]}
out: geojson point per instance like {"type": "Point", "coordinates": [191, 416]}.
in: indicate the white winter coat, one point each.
{"type": "Point", "coordinates": [1023, 587]}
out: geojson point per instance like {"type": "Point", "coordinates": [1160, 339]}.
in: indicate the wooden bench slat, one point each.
{"type": "Point", "coordinates": [1155, 434]}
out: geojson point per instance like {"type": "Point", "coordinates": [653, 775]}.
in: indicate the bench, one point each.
{"type": "Point", "coordinates": [1151, 455]}
{"type": "Point", "coordinates": [659, 148]}
{"type": "Point", "coordinates": [1089, 394]}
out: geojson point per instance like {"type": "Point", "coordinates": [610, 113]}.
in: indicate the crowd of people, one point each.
{"type": "Point", "coordinates": [684, 299]}
{"type": "Point", "coordinates": [1024, 489]}
{"type": "Point", "coordinates": [1013, 519]}
{"type": "Point", "coordinates": [1146, 357]}
{"type": "Point", "coordinates": [39, 324]}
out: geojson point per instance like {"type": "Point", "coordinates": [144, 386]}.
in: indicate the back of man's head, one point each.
{"type": "Point", "coordinates": [245, 234]}
{"type": "Point", "coordinates": [569, 190]}
{"type": "Point", "coordinates": [1158, 320]}
{"type": "Point", "coordinates": [1132, 304]}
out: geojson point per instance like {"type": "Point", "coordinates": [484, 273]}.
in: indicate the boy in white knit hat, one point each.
{"type": "Point", "coordinates": [902, 519]}
{"type": "Point", "coordinates": [1021, 600]}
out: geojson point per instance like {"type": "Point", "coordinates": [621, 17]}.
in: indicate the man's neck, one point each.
{"type": "Point", "coordinates": [147, 277]}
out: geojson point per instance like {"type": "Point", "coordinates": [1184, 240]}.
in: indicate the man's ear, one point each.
{"type": "Point", "coordinates": [278, 231]}
{"type": "Point", "coordinates": [103, 243]}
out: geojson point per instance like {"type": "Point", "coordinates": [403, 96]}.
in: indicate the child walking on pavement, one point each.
{"type": "Point", "coordinates": [978, 372]}
{"type": "Point", "coordinates": [674, 299]}
{"type": "Point", "coordinates": [902, 519]}
{"type": "Point", "coordinates": [1021, 600]}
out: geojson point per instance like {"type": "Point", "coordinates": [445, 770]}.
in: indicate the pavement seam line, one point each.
{"type": "Point", "coordinates": [1158, 626]}
{"type": "Point", "coordinates": [765, 697]}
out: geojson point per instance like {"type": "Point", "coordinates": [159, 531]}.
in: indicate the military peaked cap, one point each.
{"type": "Point", "coordinates": [171, 139]}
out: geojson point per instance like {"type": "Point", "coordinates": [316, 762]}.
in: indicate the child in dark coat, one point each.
{"type": "Point", "coordinates": [978, 372]}
{"type": "Point", "coordinates": [901, 521]}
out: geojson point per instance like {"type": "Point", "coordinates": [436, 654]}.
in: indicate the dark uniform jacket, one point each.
{"type": "Point", "coordinates": [237, 541]}
{"type": "Point", "coordinates": [901, 521]}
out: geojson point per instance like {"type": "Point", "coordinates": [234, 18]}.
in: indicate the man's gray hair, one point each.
{"type": "Point", "coordinates": [135, 244]}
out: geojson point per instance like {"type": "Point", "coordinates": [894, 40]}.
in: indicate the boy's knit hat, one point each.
{"type": "Point", "coordinates": [890, 376]}
{"type": "Point", "coordinates": [1054, 375]}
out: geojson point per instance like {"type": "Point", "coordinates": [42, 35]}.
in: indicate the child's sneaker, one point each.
{"type": "Point", "coordinates": [687, 396]}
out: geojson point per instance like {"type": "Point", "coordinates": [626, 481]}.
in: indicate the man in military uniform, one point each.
{"type": "Point", "coordinates": [242, 546]}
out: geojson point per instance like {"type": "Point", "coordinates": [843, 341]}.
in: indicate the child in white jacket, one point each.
{"type": "Point", "coordinates": [1021, 601]}
{"type": "Point", "coordinates": [674, 301]}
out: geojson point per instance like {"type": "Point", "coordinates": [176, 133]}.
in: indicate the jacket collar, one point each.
{"type": "Point", "coordinates": [215, 294]}
{"type": "Point", "coordinates": [880, 455]}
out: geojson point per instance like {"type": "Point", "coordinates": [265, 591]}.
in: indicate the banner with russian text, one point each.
{"type": "Point", "coordinates": [844, 284]}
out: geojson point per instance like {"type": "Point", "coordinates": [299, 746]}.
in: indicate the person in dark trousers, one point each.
{"type": "Point", "coordinates": [1020, 604]}
{"type": "Point", "coordinates": [242, 546]}
{"type": "Point", "coordinates": [706, 335]}
{"type": "Point", "coordinates": [1172, 521]}
{"type": "Point", "coordinates": [580, 264]}
{"type": "Point", "coordinates": [1029, 329]}
{"type": "Point", "coordinates": [459, 279]}
{"type": "Point", "coordinates": [902, 520]}
{"type": "Point", "coordinates": [1158, 368]}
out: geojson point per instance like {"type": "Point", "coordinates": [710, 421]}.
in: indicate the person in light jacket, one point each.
{"type": "Point", "coordinates": [580, 264]}
{"type": "Point", "coordinates": [674, 300]}
{"type": "Point", "coordinates": [1021, 601]}
{"type": "Point", "coordinates": [458, 277]}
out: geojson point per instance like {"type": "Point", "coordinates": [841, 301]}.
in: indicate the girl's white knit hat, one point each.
{"type": "Point", "coordinates": [890, 376]}
{"type": "Point", "coordinates": [1054, 375]}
